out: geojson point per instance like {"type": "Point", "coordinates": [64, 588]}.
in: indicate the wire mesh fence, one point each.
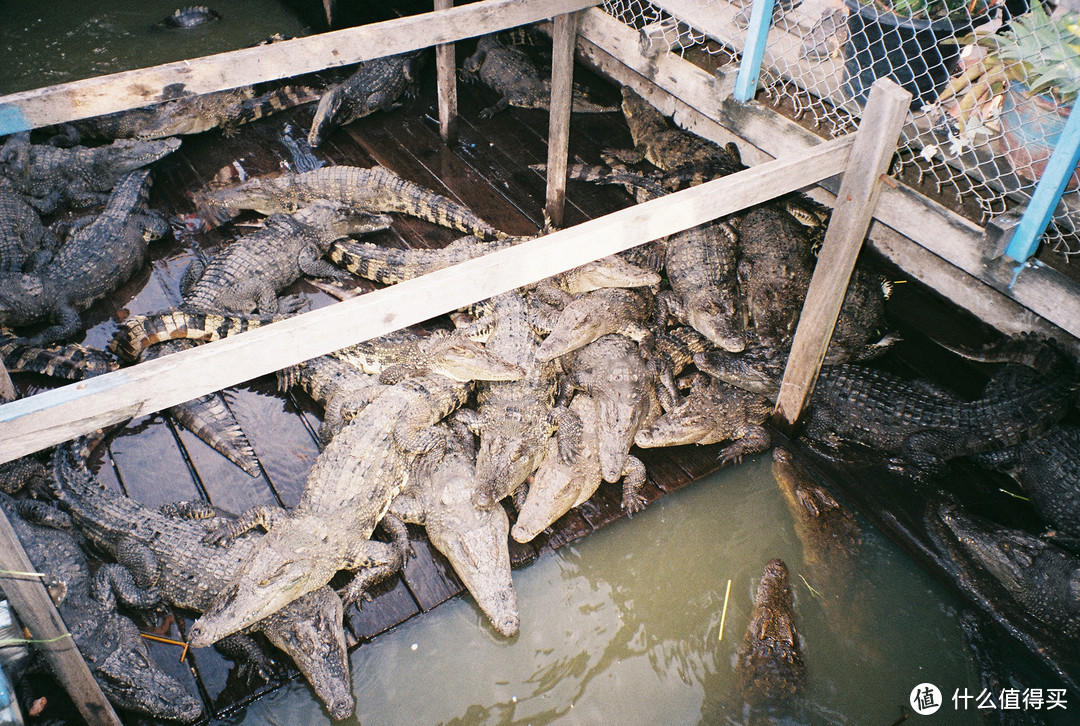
{"type": "Point", "coordinates": [992, 82]}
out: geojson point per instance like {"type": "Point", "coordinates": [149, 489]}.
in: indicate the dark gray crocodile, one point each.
{"type": "Point", "coordinates": [1048, 467]}
{"type": "Point", "coordinates": [190, 16]}
{"type": "Point", "coordinates": [70, 361]}
{"type": "Point", "coordinates": [375, 86]}
{"type": "Point", "coordinates": [622, 383]}
{"type": "Point", "coordinates": [594, 314]}
{"type": "Point", "coordinates": [348, 490]}
{"type": "Point", "coordinates": [19, 473]}
{"type": "Point", "coordinates": [1042, 580]}
{"type": "Point", "coordinates": [371, 190]}
{"type": "Point", "coordinates": [79, 176]}
{"type": "Point", "coordinates": [439, 497]}
{"type": "Point", "coordinates": [769, 663]}
{"type": "Point", "coordinates": [225, 110]}
{"type": "Point", "coordinates": [110, 642]}
{"type": "Point", "coordinates": [163, 552]}
{"type": "Point", "coordinates": [101, 255]}
{"type": "Point", "coordinates": [510, 72]}
{"type": "Point", "coordinates": [921, 429]}
{"type": "Point", "coordinates": [711, 413]}
{"type": "Point", "coordinates": [515, 419]}
{"type": "Point", "coordinates": [25, 243]}
{"type": "Point", "coordinates": [659, 142]}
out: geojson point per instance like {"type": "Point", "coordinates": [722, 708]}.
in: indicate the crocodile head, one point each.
{"type": "Point", "coordinates": [720, 320]}
{"type": "Point", "coordinates": [341, 218]}
{"type": "Point", "coordinates": [474, 540]}
{"type": "Point", "coordinates": [128, 675]}
{"type": "Point", "coordinates": [641, 116]}
{"type": "Point", "coordinates": [310, 632]}
{"type": "Point", "coordinates": [218, 206]}
{"type": "Point", "coordinates": [462, 359]}
{"type": "Point", "coordinates": [130, 154]}
{"type": "Point", "coordinates": [769, 662]}
{"type": "Point", "coordinates": [620, 414]}
{"type": "Point", "coordinates": [326, 114]}
{"type": "Point", "coordinates": [612, 271]}
{"type": "Point", "coordinates": [25, 299]}
{"type": "Point", "coordinates": [510, 450]}
{"type": "Point", "coordinates": [582, 321]}
{"type": "Point", "coordinates": [295, 557]}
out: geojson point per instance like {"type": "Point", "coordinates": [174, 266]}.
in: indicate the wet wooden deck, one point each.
{"type": "Point", "coordinates": [154, 461]}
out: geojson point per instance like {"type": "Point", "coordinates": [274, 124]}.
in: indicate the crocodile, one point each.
{"type": "Point", "coordinates": [922, 429]}
{"type": "Point", "coordinates": [163, 551]}
{"type": "Point", "coordinates": [621, 382]}
{"type": "Point", "coordinates": [339, 386]}
{"type": "Point", "coordinates": [770, 663]}
{"type": "Point", "coordinates": [191, 16]}
{"type": "Point", "coordinates": [372, 190]}
{"type": "Point", "coordinates": [510, 72]}
{"type": "Point", "coordinates": [109, 642]}
{"type": "Point", "coordinates": [70, 361]}
{"type": "Point", "coordinates": [438, 496]}
{"type": "Point", "coordinates": [79, 176]}
{"type": "Point", "coordinates": [660, 143]}
{"type": "Point", "coordinates": [140, 332]}
{"type": "Point", "coordinates": [375, 86]}
{"type": "Point", "coordinates": [711, 413]}
{"type": "Point", "coordinates": [592, 315]}
{"type": "Point", "coordinates": [390, 265]}
{"type": "Point", "coordinates": [100, 256]}
{"type": "Point", "coordinates": [1040, 579]}
{"type": "Point", "coordinates": [702, 266]}
{"type": "Point", "coordinates": [25, 243]}
{"type": "Point", "coordinates": [1048, 467]}
{"type": "Point", "coordinates": [514, 419]}
{"type": "Point", "coordinates": [17, 474]}
{"type": "Point", "coordinates": [349, 489]}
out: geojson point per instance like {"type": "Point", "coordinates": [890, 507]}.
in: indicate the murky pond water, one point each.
{"type": "Point", "coordinates": [624, 627]}
{"type": "Point", "coordinates": [57, 42]}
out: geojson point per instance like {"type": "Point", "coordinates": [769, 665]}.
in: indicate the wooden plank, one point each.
{"type": "Point", "coordinates": [446, 75]}
{"type": "Point", "coordinates": [875, 146]}
{"type": "Point", "coordinates": [690, 94]}
{"type": "Point", "coordinates": [132, 89]}
{"type": "Point", "coordinates": [563, 41]}
{"type": "Point", "coordinates": [36, 610]}
{"type": "Point", "coordinates": [54, 416]}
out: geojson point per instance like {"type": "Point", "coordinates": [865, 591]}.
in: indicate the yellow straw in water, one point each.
{"type": "Point", "coordinates": [723, 613]}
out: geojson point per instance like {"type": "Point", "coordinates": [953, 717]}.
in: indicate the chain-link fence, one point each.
{"type": "Point", "coordinates": [992, 80]}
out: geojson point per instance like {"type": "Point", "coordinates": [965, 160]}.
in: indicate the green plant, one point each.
{"type": "Point", "coordinates": [1041, 52]}
{"type": "Point", "coordinates": [956, 10]}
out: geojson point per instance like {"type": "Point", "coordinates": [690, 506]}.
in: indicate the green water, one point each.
{"type": "Point", "coordinates": [51, 42]}
{"type": "Point", "coordinates": [623, 628]}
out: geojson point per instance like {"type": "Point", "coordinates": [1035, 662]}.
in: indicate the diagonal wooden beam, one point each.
{"type": "Point", "coordinates": [54, 416]}
{"type": "Point", "coordinates": [875, 145]}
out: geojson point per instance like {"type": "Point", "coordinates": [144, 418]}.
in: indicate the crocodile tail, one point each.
{"type": "Point", "coordinates": [69, 476]}
{"type": "Point", "coordinates": [71, 361]}
{"type": "Point", "coordinates": [138, 333]}
{"type": "Point", "coordinates": [211, 420]}
{"type": "Point", "coordinates": [406, 197]}
{"type": "Point", "coordinates": [373, 262]}
{"type": "Point", "coordinates": [271, 102]}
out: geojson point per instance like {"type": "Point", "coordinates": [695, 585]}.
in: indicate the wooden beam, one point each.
{"type": "Point", "coordinates": [48, 418]}
{"type": "Point", "coordinates": [36, 611]}
{"type": "Point", "coordinates": [446, 77]}
{"type": "Point", "coordinates": [875, 146]}
{"type": "Point", "coordinates": [132, 89]}
{"type": "Point", "coordinates": [563, 42]}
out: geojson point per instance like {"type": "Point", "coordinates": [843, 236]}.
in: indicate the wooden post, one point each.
{"type": "Point", "coordinates": [875, 144]}
{"type": "Point", "coordinates": [7, 388]}
{"type": "Point", "coordinates": [563, 43]}
{"type": "Point", "coordinates": [446, 75]}
{"type": "Point", "coordinates": [36, 610]}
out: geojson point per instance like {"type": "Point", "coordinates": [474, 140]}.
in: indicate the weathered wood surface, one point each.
{"type": "Point", "coordinates": [49, 418]}
{"type": "Point", "coordinates": [564, 40]}
{"type": "Point", "coordinates": [132, 89]}
{"type": "Point", "coordinates": [874, 148]}
{"type": "Point", "coordinates": [36, 610]}
{"type": "Point", "coordinates": [446, 74]}
{"type": "Point", "coordinates": [7, 388]}
{"type": "Point", "coordinates": [691, 94]}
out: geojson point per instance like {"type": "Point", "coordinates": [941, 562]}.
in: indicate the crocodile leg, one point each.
{"type": "Point", "coordinates": [197, 509]}
{"type": "Point", "coordinates": [376, 562]}
{"type": "Point", "coordinates": [255, 517]}
{"type": "Point", "coordinates": [112, 582]}
{"type": "Point", "coordinates": [68, 323]}
{"type": "Point", "coordinates": [243, 649]}
{"type": "Point", "coordinates": [569, 433]}
{"type": "Point", "coordinates": [633, 480]}
{"type": "Point", "coordinates": [749, 439]}
{"type": "Point", "coordinates": [493, 109]}
{"type": "Point", "coordinates": [311, 263]}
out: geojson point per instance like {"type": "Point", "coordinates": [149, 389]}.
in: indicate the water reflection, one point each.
{"type": "Point", "coordinates": [623, 627]}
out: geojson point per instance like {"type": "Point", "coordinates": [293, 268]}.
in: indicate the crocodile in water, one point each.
{"type": "Point", "coordinates": [769, 663]}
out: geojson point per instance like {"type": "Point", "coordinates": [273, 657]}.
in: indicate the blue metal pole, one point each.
{"type": "Point", "coordinates": [1048, 191]}
{"type": "Point", "coordinates": [757, 33]}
